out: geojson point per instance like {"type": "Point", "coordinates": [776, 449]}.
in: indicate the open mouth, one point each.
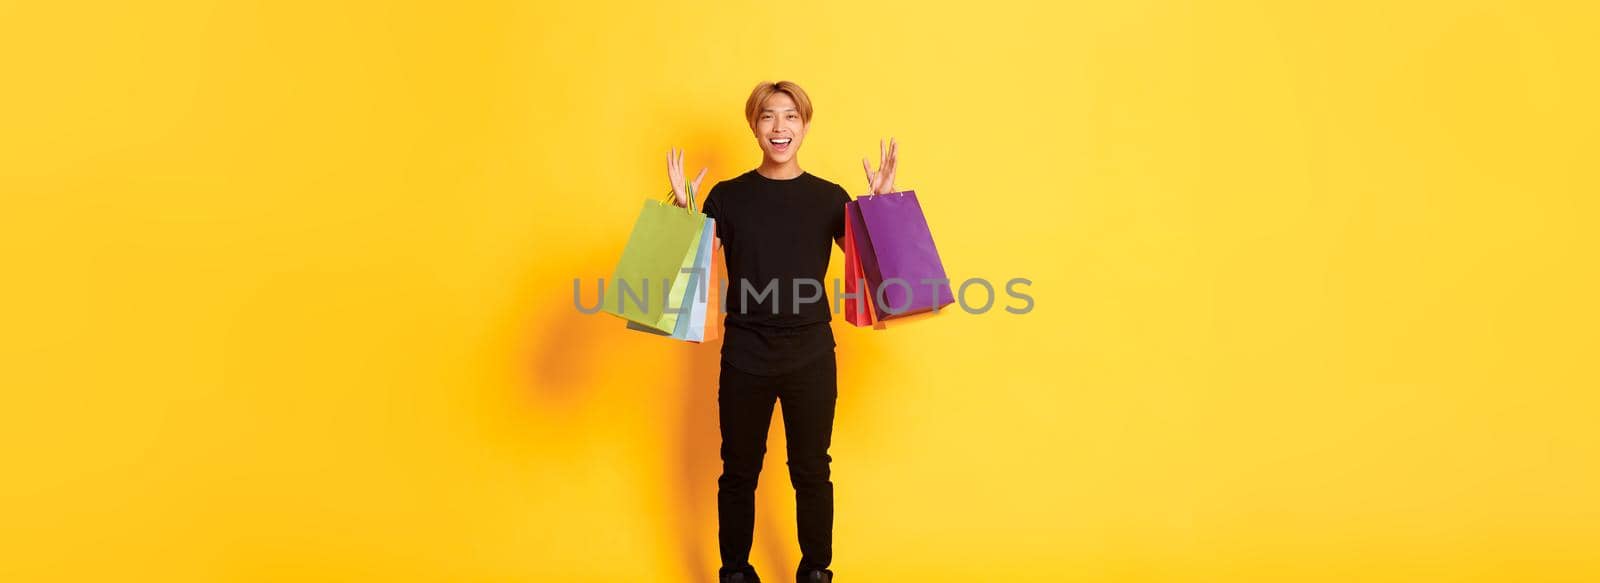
{"type": "Point", "coordinates": [780, 144]}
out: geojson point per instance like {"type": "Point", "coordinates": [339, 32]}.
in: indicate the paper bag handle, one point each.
{"type": "Point", "coordinates": [687, 187]}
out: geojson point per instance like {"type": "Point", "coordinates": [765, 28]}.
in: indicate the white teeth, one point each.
{"type": "Point", "coordinates": [780, 141]}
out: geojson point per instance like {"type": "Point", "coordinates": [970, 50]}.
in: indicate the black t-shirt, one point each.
{"type": "Point", "coordinates": [775, 233]}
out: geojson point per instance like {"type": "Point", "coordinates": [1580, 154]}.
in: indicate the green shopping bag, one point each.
{"type": "Point", "coordinates": [692, 317]}
{"type": "Point", "coordinates": [655, 266]}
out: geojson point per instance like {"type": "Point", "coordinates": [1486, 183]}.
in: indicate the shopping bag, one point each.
{"type": "Point", "coordinates": [898, 255]}
{"type": "Point", "coordinates": [650, 275]}
{"type": "Point", "coordinates": [692, 305]}
{"type": "Point", "coordinates": [714, 299]}
{"type": "Point", "coordinates": [700, 292]}
{"type": "Point", "coordinates": [858, 298]}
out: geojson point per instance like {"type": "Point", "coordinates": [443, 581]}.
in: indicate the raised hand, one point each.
{"type": "Point", "coordinates": [882, 181]}
{"type": "Point", "coordinates": [675, 177]}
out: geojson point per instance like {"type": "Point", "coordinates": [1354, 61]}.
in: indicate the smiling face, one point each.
{"type": "Point", "coordinates": [779, 128]}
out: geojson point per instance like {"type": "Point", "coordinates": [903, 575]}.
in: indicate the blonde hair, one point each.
{"type": "Point", "coordinates": [765, 89]}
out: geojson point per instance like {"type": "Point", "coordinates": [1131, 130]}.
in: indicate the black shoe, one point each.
{"type": "Point", "coordinates": [737, 578]}
{"type": "Point", "coordinates": [823, 576]}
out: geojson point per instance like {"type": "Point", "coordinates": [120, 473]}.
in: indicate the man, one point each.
{"type": "Point", "coordinates": [774, 224]}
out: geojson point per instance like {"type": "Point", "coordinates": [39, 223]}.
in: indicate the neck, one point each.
{"type": "Point", "coordinates": [780, 171]}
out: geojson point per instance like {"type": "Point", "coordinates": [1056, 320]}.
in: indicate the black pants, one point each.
{"type": "Point", "coordinates": [744, 402]}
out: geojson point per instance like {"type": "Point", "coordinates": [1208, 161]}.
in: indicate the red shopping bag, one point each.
{"type": "Point", "coordinates": [857, 310]}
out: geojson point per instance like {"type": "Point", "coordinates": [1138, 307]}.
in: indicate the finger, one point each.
{"type": "Point", "coordinates": [867, 167]}
{"type": "Point", "coordinates": [894, 160]}
{"type": "Point", "coordinates": [699, 177]}
{"type": "Point", "coordinates": [883, 156]}
{"type": "Point", "coordinates": [886, 175]}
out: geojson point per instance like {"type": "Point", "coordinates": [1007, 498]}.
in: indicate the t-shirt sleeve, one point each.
{"type": "Point", "coordinates": [709, 207]}
{"type": "Point", "coordinates": [838, 213]}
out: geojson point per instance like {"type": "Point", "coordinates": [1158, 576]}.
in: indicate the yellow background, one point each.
{"type": "Point", "coordinates": [287, 290]}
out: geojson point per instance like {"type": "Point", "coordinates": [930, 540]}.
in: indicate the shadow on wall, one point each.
{"type": "Point", "coordinates": [568, 343]}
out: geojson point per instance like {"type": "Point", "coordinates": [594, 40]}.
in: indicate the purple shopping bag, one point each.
{"type": "Point", "coordinates": [902, 265]}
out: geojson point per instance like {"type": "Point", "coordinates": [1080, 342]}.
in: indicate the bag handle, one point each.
{"type": "Point", "coordinates": [687, 187]}
{"type": "Point", "coordinates": [901, 192]}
